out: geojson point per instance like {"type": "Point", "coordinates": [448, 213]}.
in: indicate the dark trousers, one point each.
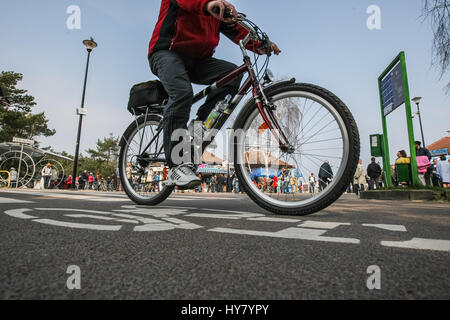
{"type": "Point", "coordinates": [357, 188]}
{"type": "Point", "coordinates": [47, 182]}
{"type": "Point", "coordinates": [372, 184]}
{"type": "Point", "coordinates": [177, 73]}
{"type": "Point", "coordinates": [322, 184]}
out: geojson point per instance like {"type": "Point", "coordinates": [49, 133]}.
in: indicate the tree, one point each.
{"type": "Point", "coordinates": [107, 150]}
{"type": "Point", "coordinates": [104, 158]}
{"type": "Point", "coordinates": [438, 11]}
{"type": "Point", "coordinates": [17, 119]}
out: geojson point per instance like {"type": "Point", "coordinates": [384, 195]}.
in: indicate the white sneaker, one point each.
{"type": "Point", "coordinates": [183, 176]}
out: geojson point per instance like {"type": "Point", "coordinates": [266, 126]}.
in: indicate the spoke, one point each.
{"type": "Point", "coordinates": [314, 135]}
{"type": "Point", "coordinates": [322, 133]}
{"type": "Point", "coordinates": [317, 112]}
{"type": "Point", "coordinates": [318, 155]}
{"type": "Point", "coordinates": [320, 165]}
{"type": "Point", "coordinates": [325, 140]}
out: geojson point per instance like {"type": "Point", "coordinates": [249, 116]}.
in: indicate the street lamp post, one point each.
{"type": "Point", "coordinates": [417, 102]}
{"type": "Point", "coordinates": [90, 45]}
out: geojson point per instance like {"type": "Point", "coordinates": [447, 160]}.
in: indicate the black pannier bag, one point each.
{"type": "Point", "coordinates": [147, 95]}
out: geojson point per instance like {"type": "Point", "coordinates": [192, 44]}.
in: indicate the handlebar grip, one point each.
{"type": "Point", "coordinates": [227, 14]}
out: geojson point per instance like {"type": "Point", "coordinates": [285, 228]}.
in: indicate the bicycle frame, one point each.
{"type": "Point", "coordinates": [264, 107]}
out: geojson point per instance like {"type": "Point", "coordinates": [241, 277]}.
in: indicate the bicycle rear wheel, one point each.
{"type": "Point", "coordinates": [142, 166]}
{"type": "Point", "coordinates": [324, 141]}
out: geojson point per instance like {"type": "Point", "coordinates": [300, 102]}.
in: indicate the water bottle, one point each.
{"type": "Point", "coordinates": [220, 108]}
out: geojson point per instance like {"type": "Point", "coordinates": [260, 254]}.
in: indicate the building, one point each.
{"type": "Point", "coordinates": [440, 147]}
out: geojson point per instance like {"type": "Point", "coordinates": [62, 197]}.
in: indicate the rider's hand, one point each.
{"type": "Point", "coordinates": [273, 48]}
{"type": "Point", "coordinates": [223, 6]}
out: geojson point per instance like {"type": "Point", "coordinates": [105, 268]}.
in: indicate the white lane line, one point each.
{"type": "Point", "coordinates": [19, 213]}
{"type": "Point", "coordinates": [81, 197]}
{"type": "Point", "coordinates": [419, 243]}
{"type": "Point", "coordinates": [10, 200]}
{"type": "Point", "coordinates": [389, 227]}
{"type": "Point", "coordinates": [322, 225]}
{"type": "Point", "coordinates": [78, 225]}
{"type": "Point", "coordinates": [88, 216]}
{"type": "Point", "coordinates": [74, 210]}
{"type": "Point", "coordinates": [290, 233]}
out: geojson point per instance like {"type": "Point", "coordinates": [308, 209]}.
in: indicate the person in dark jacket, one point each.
{"type": "Point", "coordinates": [374, 172]}
{"type": "Point", "coordinates": [325, 175]}
{"type": "Point", "coordinates": [181, 53]}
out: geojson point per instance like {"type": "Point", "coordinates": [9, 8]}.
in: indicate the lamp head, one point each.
{"type": "Point", "coordinates": [90, 44]}
{"type": "Point", "coordinates": [417, 100]}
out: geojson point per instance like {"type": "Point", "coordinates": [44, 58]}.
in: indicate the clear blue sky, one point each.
{"type": "Point", "coordinates": [323, 42]}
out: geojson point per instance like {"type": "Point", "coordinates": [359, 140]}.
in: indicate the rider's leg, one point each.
{"type": "Point", "coordinates": [171, 69]}
{"type": "Point", "coordinates": [206, 72]}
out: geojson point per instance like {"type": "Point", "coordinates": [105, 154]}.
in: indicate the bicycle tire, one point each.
{"type": "Point", "coordinates": [131, 193]}
{"type": "Point", "coordinates": [350, 166]}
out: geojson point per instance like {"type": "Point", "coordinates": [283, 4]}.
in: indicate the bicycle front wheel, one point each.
{"type": "Point", "coordinates": [322, 158]}
{"type": "Point", "coordinates": [142, 165]}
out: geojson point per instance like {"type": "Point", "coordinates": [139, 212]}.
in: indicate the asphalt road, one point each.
{"type": "Point", "coordinates": [219, 247]}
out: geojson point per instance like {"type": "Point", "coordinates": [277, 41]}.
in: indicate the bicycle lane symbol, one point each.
{"type": "Point", "coordinates": [146, 221]}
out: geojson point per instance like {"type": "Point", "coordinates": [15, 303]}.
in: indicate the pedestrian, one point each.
{"type": "Point", "coordinates": [47, 175]}
{"type": "Point", "coordinates": [212, 184]}
{"type": "Point", "coordinates": [443, 172]}
{"type": "Point", "coordinates": [69, 182]}
{"type": "Point", "coordinates": [434, 176]}
{"type": "Point", "coordinates": [13, 177]}
{"type": "Point", "coordinates": [423, 157]}
{"type": "Point", "coordinates": [91, 180]}
{"type": "Point", "coordinates": [312, 183]}
{"type": "Point", "coordinates": [359, 180]}
{"type": "Point", "coordinates": [374, 172]}
{"type": "Point", "coordinates": [129, 172]}
{"type": "Point", "coordinates": [325, 175]}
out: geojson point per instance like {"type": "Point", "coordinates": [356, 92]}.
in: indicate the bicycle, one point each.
{"type": "Point", "coordinates": [276, 133]}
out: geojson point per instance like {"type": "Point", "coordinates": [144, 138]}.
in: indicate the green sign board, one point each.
{"type": "Point", "coordinates": [376, 145]}
{"type": "Point", "coordinates": [394, 91]}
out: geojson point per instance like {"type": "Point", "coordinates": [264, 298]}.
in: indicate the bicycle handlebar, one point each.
{"type": "Point", "coordinates": [243, 21]}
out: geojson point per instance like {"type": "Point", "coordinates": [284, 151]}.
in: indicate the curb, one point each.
{"type": "Point", "coordinates": [407, 195]}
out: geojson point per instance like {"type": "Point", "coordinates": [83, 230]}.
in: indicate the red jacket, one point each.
{"type": "Point", "coordinates": [184, 26]}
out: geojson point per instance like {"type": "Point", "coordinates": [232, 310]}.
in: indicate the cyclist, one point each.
{"type": "Point", "coordinates": [180, 52]}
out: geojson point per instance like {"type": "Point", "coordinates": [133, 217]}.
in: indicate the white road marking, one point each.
{"type": "Point", "coordinates": [79, 197]}
{"type": "Point", "coordinates": [19, 213]}
{"type": "Point", "coordinates": [389, 227]}
{"type": "Point", "coordinates": [419, 243]}
{"type": "Point", "coordinates": [74, 210]}
{"type": "Point", "coordinates": [224, 216]}
{"type": "Point", "coordinates": [181, 224]}
{"type": "Point", "coordinates": [322, 225]}
{"type": "Point", "coordinates": [78, 225]}
{"type": "Point", "coordinates": [162, 226]}
{"type": "Point", "coordinates": [290, 233]}
{"type": "Point", "coordinates": [10, 201]}
{"type": "Point", "coordinates": [101, 218]}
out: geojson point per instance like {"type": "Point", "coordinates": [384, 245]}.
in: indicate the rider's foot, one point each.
{"type": "Point", "coordinates": [183, 176]}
